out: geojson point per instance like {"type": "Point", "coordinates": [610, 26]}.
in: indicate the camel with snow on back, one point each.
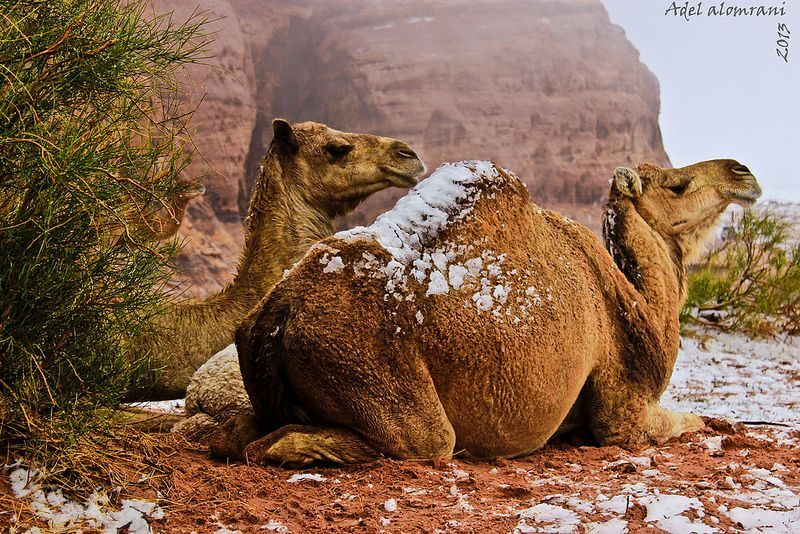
{"type": "Point", "coordinates": [468, 319]}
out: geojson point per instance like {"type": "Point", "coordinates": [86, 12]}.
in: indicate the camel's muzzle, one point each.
{"type": "Point", "coordinates": [745, 195]}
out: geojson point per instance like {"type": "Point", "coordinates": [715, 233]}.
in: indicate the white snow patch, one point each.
{"type": "Point", "coordinates": [437, 285]}
{"type": "Point", "coordinates": [617, 504]}
{"type": "Point", "coordinates": [335, 265]}
{"type": "Point", "coordinates": [483, 302]}
{"type": "Point", "coordinates": [547, 518]}
{"type": "Point", "coordinates": [456, 275]}
{"type": "Point", "coordinates": [297, 477]}
{"type": "Point", "coordinates": [96, 512]}
{"type": "Point", "coordinates": [500, 293]}
{"type": "Point", "coordinates": [770, 520]}
{"type": "Point", "coordinates": [275, 526]}
{"type": "Point", "coordinates": [390, 505]}
{"type": "Point", "coordinates": [713, 443]}
{"type": "Point", "coordinates": [579, 505]}
{"type": "Point", "coordinates": [664, 506]}
{"type": "Point", "coordinates": [612, 526]}
{"type": "Point", "coordinates": [439, 260]}
{"type": "Point", "coordinates": [666, 510]}
{"type": "Point", "coordinates": [680, 524]}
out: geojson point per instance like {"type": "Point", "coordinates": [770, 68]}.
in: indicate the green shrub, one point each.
{"type": "Point", "coordinates": [751, 282]}
{"type": "Point", "coordinates": [90, 137]}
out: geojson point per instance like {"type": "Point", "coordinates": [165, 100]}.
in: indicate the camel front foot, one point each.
{"type": "Point", "coordinates": [298, 446]}
{"type": "Point", "coordinates": [663, 424]}
{"type": "Point", "coordinates": [653, 424]}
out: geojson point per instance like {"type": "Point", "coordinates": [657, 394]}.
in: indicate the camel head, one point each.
{"type": "Point", "coordinates": [683, 205]}
{"type": "Point", "coordinates": [188, 190]}
{"type": "Point", "coordinates": [335, 170]}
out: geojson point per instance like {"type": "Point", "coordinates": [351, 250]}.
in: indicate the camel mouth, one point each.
{"type": "Point", "coordinates": [403, 178]}
{"type": "Point", "coordinates": [745, 198]}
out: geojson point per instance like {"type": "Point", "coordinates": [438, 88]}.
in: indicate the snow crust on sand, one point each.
{"type": "Point", "coordinates": [314, 477]}
{"type": "Point", "coordinates": [735, 377]}
{"type": "Point", "coordinates": [62, 514]}
{"type": "Point", "coordinates": [547, 518]}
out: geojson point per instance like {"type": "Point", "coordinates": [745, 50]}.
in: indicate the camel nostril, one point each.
{"type": "Point", "coordinates": [407, 153]}
{"type": "Point", "coordinates": [741, 170]}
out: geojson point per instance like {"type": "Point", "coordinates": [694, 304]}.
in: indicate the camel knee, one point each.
{"type": "Point", "coordinates": [432, 443]}
{"type": "Point", "coordinates": [230, 439]}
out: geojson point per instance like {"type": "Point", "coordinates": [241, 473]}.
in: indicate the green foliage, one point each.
{"type": "Point", "coordinates": [751, 282]}
{"type": "Point", "coordinates": [90, 137]}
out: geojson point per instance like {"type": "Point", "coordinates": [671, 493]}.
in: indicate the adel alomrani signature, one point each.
{"type": "Point", "coordinates": [687, 10]}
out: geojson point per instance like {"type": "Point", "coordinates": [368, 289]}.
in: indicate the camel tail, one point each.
{"type": "Point", "coordinates": [259, 343]}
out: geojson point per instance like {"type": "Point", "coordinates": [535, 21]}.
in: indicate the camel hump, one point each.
{"type": "Point", "coordinates": [407, 250]}
{"type": "Point", "coordinates": [439, 204]}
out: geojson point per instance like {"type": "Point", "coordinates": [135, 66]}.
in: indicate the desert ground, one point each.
{"type": "Point", "coordinates": [731, 477]}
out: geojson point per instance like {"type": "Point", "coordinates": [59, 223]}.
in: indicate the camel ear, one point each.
{"type": "Point", "coordinates": [650, 173]}
{"type": "Point", "coordinates": [284, 138]}
{"type": "Point", "coordinates": [626, 182]}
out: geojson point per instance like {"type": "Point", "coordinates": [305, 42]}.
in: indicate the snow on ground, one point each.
{"type": "Point", "coordinates": [739, 489]}
{"type": "Point", "coordinates": [62, 514]}
{"type": "Point", "coordinates": [728, 376]}
{"type": "Point", "coordinates": [759, 501]}
{"type": "Point", "coordinates": [738, 378]}
{"type": "Point", "coordinates": [176, 406]}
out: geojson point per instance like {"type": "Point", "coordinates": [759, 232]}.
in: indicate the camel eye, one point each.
{"type": "Point", "coordinates": [337, 150]}
{"type": "Point", "coordinates": [679, 189]}
{"type": "Point", "coordinates": [741, 170]}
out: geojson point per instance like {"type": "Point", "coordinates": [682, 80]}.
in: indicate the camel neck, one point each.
{"type": "Point", "coordinates": [652, 265]}
{"type": "Point", "coordinates": [280, 228]}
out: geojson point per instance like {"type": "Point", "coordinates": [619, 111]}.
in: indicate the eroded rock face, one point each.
{"type": "Point", "coordinates": [224, 98]}
{"type": "Point", "coordinates": [551, 90]}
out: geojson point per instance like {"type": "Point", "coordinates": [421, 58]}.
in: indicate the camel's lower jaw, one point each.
{"type": "Point", "coordinates": [399, 178]}
{"type": "Point", "coordinates": [746, 198]}
{"type": "Point", "coordinates": [745, 203]}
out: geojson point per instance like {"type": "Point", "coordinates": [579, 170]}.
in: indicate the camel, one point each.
{"type": "Point", "coordinates": [310, 175]}
{"type": "Point", "coordinates": [164, 222]}
{"type": "Point", "coordinates": [468, 319]}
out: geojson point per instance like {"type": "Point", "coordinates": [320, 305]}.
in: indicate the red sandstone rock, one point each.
{"type": "Point", "coordinates": [551, 90]}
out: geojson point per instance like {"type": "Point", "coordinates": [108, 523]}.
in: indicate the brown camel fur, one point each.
{"type": "Point", "coordinates": [468, 319]}
{"type": "Point", "coordinates": [310, 175]}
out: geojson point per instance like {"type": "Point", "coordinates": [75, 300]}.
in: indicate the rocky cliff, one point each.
{"type": "Point", "coordinates": [550, 89]}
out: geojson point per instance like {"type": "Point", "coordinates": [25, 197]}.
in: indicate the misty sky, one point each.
{"type": "Point", "coordinates": [724, 90]}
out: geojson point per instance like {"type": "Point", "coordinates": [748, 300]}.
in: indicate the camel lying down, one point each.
{"type": "Point", "coordinates": [310, 175]}
{"type": "Point", "coordinates": [468, 319]}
